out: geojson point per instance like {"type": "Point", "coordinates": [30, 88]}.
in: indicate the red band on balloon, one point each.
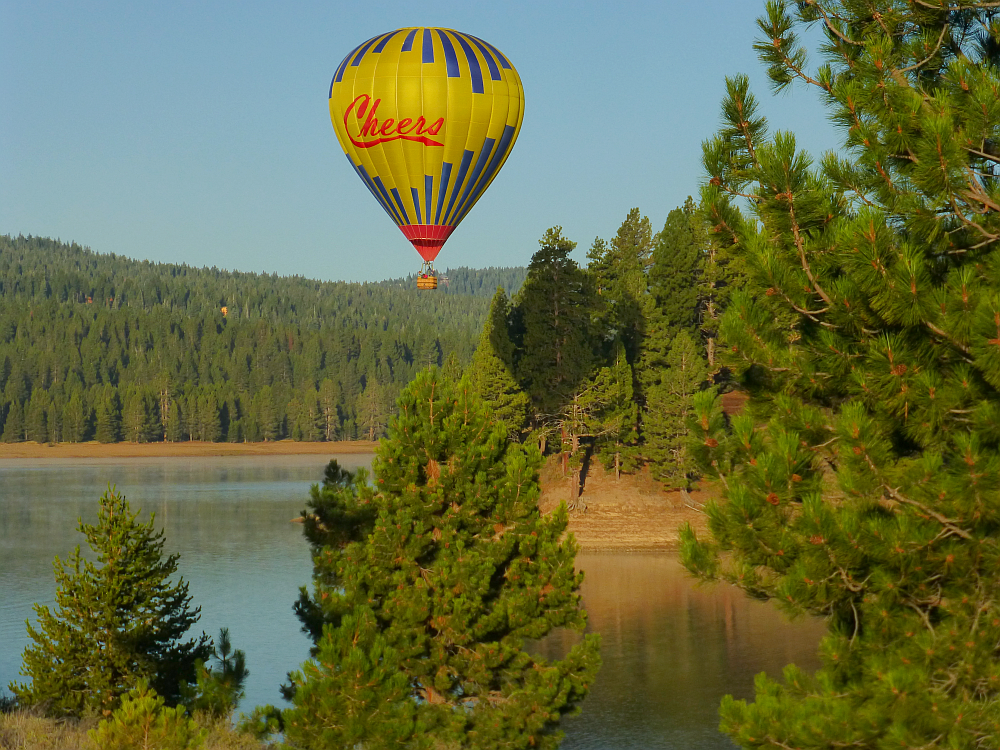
{"type": "Point", "coordinates": [427, 239]}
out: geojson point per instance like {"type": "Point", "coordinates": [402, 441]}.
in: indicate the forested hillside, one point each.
{"type": "Point", "coordinates": [102, 346]}
{"type": "Point", "coordinates": [480, 282]}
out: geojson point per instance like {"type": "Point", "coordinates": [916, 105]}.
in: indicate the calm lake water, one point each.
{"type": "Point", "coordinates": [670, 648]}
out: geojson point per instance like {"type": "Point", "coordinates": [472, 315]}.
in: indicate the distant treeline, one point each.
{"type": "Point", "coordinates": [477, 282]}
{"type": "Point", "coordinates": [104, 347]}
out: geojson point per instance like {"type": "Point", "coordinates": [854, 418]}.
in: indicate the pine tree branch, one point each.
{"type": "Point", "coordinates": [829, 25]}
{"type": "Point", "coordinates": [949, 523]}
{"type": "Point", "coordinates": [927, 59]}
{"type": "Point", "coordinates": [991, 157]}
{"type": "Point", "coordinates": [800, 244]}
{"type": "Point", "coordinates": [951, 8]}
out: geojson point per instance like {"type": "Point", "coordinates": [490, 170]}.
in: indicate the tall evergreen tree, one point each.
{"type": "Point", "coordinates": [491, 371]}
{"type": "Point", "coordinates": [329, 399]}
{"type": "Point", "coordinates": [669, 405]}
{"type": "Point", "coordinates": [109, 416]}
{"type": "Point", "coordinates": [864, 482]}
{"type": "Point", "coordinates": [74, 419]}
{"type": "Point", "coordinates": [677, 260]}
{"type": "Point", "coordinates": [37, 417]}
{"type": "Point", "coordinates": [13, 426]}
{"type": "Point", "coordinates": [428, 581]}
{"type": "Point", "coordinates": [117, 621]}
{"type": "Point", "coordinates": [618, 436]}
{"type": "Point", "coordinates": [619, 269]}
{"type": "Point", "coordinates": [558, 341]}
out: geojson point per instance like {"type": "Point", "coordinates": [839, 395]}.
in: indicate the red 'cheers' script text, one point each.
{"type": "Point", "coordinates": [373, 132]}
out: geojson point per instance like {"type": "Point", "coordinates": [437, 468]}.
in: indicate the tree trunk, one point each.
{"type": "Point", "coordinates": [618, 465]}
{"type": "Point", "coordinates": [565, 455]}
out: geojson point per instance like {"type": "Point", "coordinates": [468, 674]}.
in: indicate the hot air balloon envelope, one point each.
{"type": "Point", "coordinates": [426, 117]}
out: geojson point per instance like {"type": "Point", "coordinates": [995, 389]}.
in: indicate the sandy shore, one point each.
{"type": "Point", "coordinates": [179, 450]}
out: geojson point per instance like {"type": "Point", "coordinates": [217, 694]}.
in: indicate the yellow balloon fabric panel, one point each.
{"type": "Point", "coordinates": [426, 117]}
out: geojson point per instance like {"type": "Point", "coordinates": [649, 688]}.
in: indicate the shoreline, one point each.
{"type": "Point", "coordinates": [634, 514]}
{"type": "Point", "coordinates": [187, 449]}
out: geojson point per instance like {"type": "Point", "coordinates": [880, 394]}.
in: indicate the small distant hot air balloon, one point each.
{"type": "Point", "coordinates": [426, 117]}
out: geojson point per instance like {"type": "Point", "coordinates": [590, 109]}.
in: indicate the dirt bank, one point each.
{"type": "Point", "coordinates": [633, 513]}
{"type": "Point", "coordinates": [189, 449]}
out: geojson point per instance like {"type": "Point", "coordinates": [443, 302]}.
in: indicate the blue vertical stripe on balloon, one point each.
{"type": "Point", "coordinates": [385, 40]}
{"type": "Point", "coordinates": [343, 66]}
{"type": "Point", "coordinates": [506, 142]}
{"type": "Point", "coordinates": [427, 49]}
{"type": "Point", "coordinates": [442, 190]}
{"type": "Point", "coordinates": [474, 67]}
{"type": "Point", "coordinates": [488, 56]}
{"type": "Point", "coordinates": [449, 55]}
{"type": "Point", "coordinates": [388, 200]}
{"type": "Point", "coordinates": [399, 202]}
{"type": "Point", "coordinates": [416, 202]}
{"type": "Point", "coordinates": [363, 50]}
{"type": "Point", "coordinates": [504, 62]}
{"type": "Point", "coordinates": [428, 185]}
{"type": "Point", "coordinates": [408, 42]}
{"type": "Point", "coordinates": [463, 169]}
{"type": "Point", "coordinates": [484, 155]}
{"type": "Point", "coordinates": [360, 170]}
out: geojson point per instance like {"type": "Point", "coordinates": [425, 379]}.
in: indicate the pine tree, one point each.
{"type": "Point", "coordinates": [139, 417]}
{"type": "Point", "coordinates": [37, 418]}
{"type": "Point", "coordinates": [117, 621]}
{"type": "Point", "coordinates": [74, 419]}
{"type": "Point", "coordinates": [617, 443]}
{"type": "Point", "coordinates": [428, 581]}
{"type": "Point", "coordinates": [491, 371]}
{"type": "Point", "coordinates": [13, 426]}
{"type": "Point", "coordinates": [619, 269]}
{"type": "Point", "coordinates": [554, 311]}
{"type": "Point", "coordinates": [143, 721]}
{"type": "Point", "coordinates": [219, 685]}
{"type": "Point", "coordinates": [109, 416]}
{"type": "Point", "coordinates": [669, 404]}
{"type": "Point", "coordinates": [677, 259]}
{"type": "Point", "coordinates": [863, 484]}
{"type": "Point", "coordinates": [373, 414]}
{"type": "Point", "coordinates": [329, 398]}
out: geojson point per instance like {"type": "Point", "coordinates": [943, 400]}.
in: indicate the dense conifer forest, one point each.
{"type": "Point", "coordinates": [96, 346]}
{"type": "Point", "coordinates": [478, 282]}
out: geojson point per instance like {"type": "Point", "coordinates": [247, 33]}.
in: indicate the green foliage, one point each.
{"type": "Point", "coordinates": [617, 429]}
{"type": "Point", "coordinates": [219, 684]}
{"type": "Point", "coordinates": [474, 282]}
{"type": "Point", "coordinates": [142, 351]}
{"type": "Point", "coordinates": [491, 371]}
{"type": "Point", "coordinates": [674, 274]}
{"type": "Point", "coordinates": [427, 583]}
{"type": "Point", "coordinates": [619, 271]}
{"type": "Point", "coordinates": [553, 315]}
{"type": "Point", "coordinates": [863, 483]}
{"type": "Point", "coordinates": [13, 427]}
{"type": "Point", "coordinates": [143, 722]}
{"type": "Point", "coordinates": [117, 621]}
{"type": "Point", "coordinates": [669, 404]}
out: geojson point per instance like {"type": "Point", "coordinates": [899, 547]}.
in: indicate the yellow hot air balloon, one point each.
{"type": "Point", "coordinates": [426, 117]}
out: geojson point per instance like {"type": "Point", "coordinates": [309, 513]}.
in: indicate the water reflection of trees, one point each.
{"type": "Point", "coordinates": [671, 649]}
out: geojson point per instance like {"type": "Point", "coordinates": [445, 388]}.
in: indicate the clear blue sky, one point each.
{"type": "Point", "coordinates": [198, 132]}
